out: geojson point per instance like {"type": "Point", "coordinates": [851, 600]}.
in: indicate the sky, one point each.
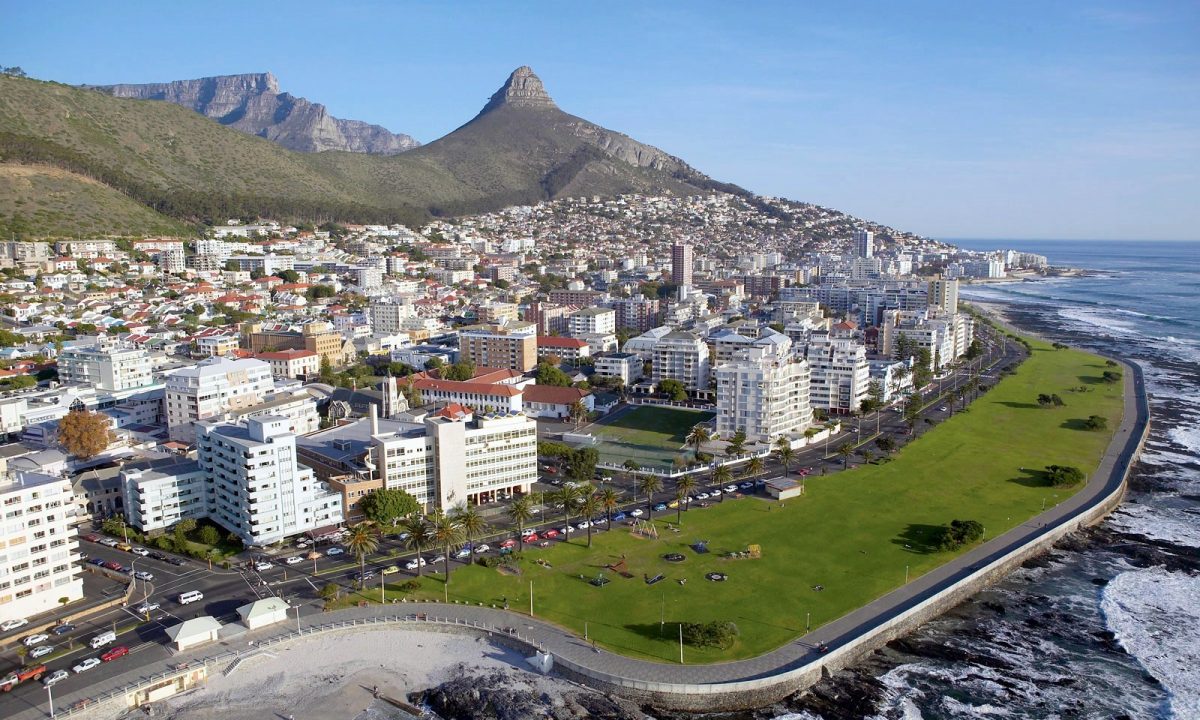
{"type": "Point", "coordinates": [956, 120]}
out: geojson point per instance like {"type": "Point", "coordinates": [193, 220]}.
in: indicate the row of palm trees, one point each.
{"type": "Point", "coordinates": [439, 530]}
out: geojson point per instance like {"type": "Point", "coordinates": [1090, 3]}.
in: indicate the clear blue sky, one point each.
{"type": "Point", "coordinates": [1016, 119]}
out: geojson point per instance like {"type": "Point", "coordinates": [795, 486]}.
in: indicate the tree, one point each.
{"type": "Point", "coordinates": [84, 434]}
{"type": "Point", "coordinates": [649, 484]}
{"type": "Point", "coordinates": [609, 499]}
{"type": "Point", "coordinates": [317, 292]}
{"type": "Point", "coordinates": [673, 389]}
{"type": "Point", "coordinates": [1111, 376]}
{"type": "Point", "coordinates": [548, 374]}
{"type": "Point", "coordinates": [208, 535]}
{"type": "Point", "coordinates": [1096, 422]}
{"type": "Point", "coordinates": [754, 467]}
{"type": "Point", "coordinates": [737, 443]}
{"type": "Point", "coordinates": [520, 511]}
{"type": "Point", "coordinates": [363, 541]}
{"type": "Point", "coordinates": [886, 444]}
{"type": "Point", "coordinates": [579, 412]}
{"type": "Point", "coordinates": [1064, 475]}
{"type": "Point", "coordinates": [446, 533]}
{"type": "Point", "coordinates": [419, 535]}
{"type": "Point", "coordinates": [589, 508]}
{"type": "Point", "coordinates": [912, 412]}
{"type": "Point", "coordinates": [461, 371]}
{"type": "Point", "coordinates": [288, 276]}
{"type": "Point", "coordinates": [567, 499]}
{"type": "Point", "coordinates": [845, 450]}
{"type": "Point", "coordinates": [684, 486]}
{"type": "Point", "coordinates": [785, 454]}
{"type": "Point", "coordinates": [467, 517]}
{"type": "Point", "coordinates": [232, 266]}
{"type": "Point", "coordinates": [959, 533]}
{"type": "Point", "coordinates": [386, 507]}
{"type": "Point", "coordinates": [721, 476]}
{"type": "Point", "coordinates": [581, 464]}
{"type": "Point", "coordinates": [326, 371]}
{"type": "Point", "coordinates": [697, 437]}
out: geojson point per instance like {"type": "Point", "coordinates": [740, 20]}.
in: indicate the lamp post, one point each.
{"type": "Point", "coordinates": [50, 698]}
{"type": "Point", "coordinates": [530, 598]}
{"type": "Point", "coordinates": [297, 607]}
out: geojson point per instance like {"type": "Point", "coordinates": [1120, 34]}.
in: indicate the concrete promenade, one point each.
{"type": "Point", "coordinates": [762, 679]}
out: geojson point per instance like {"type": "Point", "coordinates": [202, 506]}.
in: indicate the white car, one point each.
{"type": "Point", "coordinates": [13, 624]}
{"type": "Point", "coordinates": [294, 560]}
{"type": "Point", "coordinates": [583, 525]}
{"type": "Point", "coordinates": [41, 650]}
{"type": "Point", "coordinates": [730, 488]}
{"type": "Point", "coordinates": [146, 607]}
{"type": "Point", "coordinates": [334, 551]}
{"type": "Point", "coordinates": [262, 565]}
{"type": "Point", "coordinates": [143, 575]}
{"type": "Point", "coordinates": [703, 496]}
{"type": "Point", "coordinates": [140, 551]}
{"type": "Point", "coordinates": [109, 542]}
{"type": "Point", "coordinates": [55, 678]}
{"type": "Point", "coordinates": [86, 665]}
{"type": "Point", "coordinates": [482, 548]}
{"type": "Point", "coordinates": [414, 564]}
{"type": "Point", "coordinates": [463, 553]}
{"type": "Point", "coordinates": [527, 532]}
{"type": "Point", "coordinates": [37, 639]}
{"type": "Point", "coordinates": [637, 512]}
{"type": "Point", "coordinates": [715, 492]}
{"type": "Point", "coordinates": [438, 559]}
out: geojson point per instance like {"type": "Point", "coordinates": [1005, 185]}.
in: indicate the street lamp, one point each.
{"type": "Point", "coordinates": [50, 698]}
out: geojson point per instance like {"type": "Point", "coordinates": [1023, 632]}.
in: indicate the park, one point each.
{"type": "Point", "coordinates": [851, 538]}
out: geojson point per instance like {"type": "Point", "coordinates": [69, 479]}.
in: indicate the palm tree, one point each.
{"type": "Point", "coordinates": [609, 499]}
{"type": "Point", "coordinates": [649, 484]}
{"type": "Point", "coordinates": [754, 467]}
{"type": "Point", "coordinates": [589, 507]}
{"type": "Point", "coordinates": [446, 533]}
{"type": "Point", "coordinates": [898, 376]}
{"type": "Point", "coordinates": [567, 499]}
{"type": "Point", "coordinates": [520, 511]}
{"type": "Point", "coordinates": [846, 449]}
{"type": "Point", "coordinates": [469, 520]}
{"type": "Point", "coordinates": [683, 488]}
{"type": "Point", "coordinates": [867, 456]}
{"type": "Point", "coordinates": [721, 475]}
{"type": "Point", "coordinates": [419, 536]}
{"type": "Point", "coordinates": [363, 540]}
{"type": "Point", "coordinates": [578, 412]}
{"type": "Point", "coordinates": [785, 454]}
{"type": "Point", "coordinates": [698, 436]}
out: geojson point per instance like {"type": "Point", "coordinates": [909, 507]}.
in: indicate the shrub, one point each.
{"type": "Point", "coordinates": [959, 533]}
{"type": "Point", "coordinates": [1064, 475]}
{"type": "Point", "coordinates": [208, 535]}
{"type": "Point", "coordinates": [330, 590]}
{"type": "Point", "coordinates": [718, 634]}
{"type": "Point", "coordinates": [409, 586]}
{"type": "Point", "coordinates": [1096, 422]}
{"type": "Point", "coordinates": [1111, 376]}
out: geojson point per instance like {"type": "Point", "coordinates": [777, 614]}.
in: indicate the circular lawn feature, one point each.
{"type": "Point", "coordinates": [716, 576]}
{"type": "Point", "coordinates": [674, 557]}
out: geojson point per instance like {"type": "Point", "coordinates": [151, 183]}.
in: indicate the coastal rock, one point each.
{"type": "Point", "coordinates": [507, 695]}
{"type": "Point", "coordinates": [253, 104]}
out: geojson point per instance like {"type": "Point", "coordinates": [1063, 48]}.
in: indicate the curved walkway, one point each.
{"type": "Point", "coordinates": [675, 684]}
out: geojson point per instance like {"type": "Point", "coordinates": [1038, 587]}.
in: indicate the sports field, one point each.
{"type": "Point", "coordinates": [853, 533]}
{"type": "Point", "coordinates": [652, 436]}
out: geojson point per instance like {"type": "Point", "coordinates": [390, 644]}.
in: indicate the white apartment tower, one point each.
{"type": "Point", "coordinates": [943, 296]}
{"type": "Point", "coordinates": [682, 356]}
{"type": "Point", "coordinates": [259, 491]}
{"type": "Point", "coordinates": [38, 547]}
{"type": "Point", "coordinates": [105, 367]}
{"type": "Point", "coordinates": [840, 373]}
{"type": "Point", "coordinates": [211, 388]}
{"type": "Point", "coordinates": [593, 321]}
{"type": "Point", "coordinates": [764, 391]}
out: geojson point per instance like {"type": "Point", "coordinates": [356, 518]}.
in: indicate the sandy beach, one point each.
{"type": "Point", "coordinates": [332, 676]}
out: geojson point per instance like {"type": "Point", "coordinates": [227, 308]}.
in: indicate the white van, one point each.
{"type": "Point", "coordinates": [103, 639]}
{"type": "Point", "coordinates": [190, 596]}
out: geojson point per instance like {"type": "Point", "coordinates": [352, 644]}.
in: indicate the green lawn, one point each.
{"type": "Point", "coordinates": [853, 533]}
{"type": "Point", "coordinates": [651, 435]}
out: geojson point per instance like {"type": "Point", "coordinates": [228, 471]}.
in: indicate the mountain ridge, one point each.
{"type": "Point", "coordinates": [254, 104]}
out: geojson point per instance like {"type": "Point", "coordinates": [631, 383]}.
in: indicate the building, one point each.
{"type": "Point", "coordinates": [550, 318]}
{"type": "Point", "coordinates": [593, 320]}
{"type": "Point", "coordinates": [638, 313]}
{"type": "Point", "coordinates": [681, 264]}
{"type": "Point", "coordinates": [105, 366]}
{"type": "Point", "coordinates": [566, 349]}
{"type": "Point", "coordinates": [627, 366]}
{"type": "Point", "coordinates": [266, 264]}
{"type": "Point", "coordinates": [319, 337]}
{"type": "Point", "coordinates": [864, 243]}
{"type": "Point", "coordinates": [25, 251]}
{"type": "Point", "coordinates": [258, 489]}
{"type": "Point", "coordinates": [479, 395]}
{"type": "Point", "coordinates": [506, 345]}
{"type": "Point", "coordinates": [172, 261]}
{"type": "Point", "coordinates": [551, 401]}
{"type": "Point", "coordinates": [763, 391]}
{"type": "Point", "coordinates": [387, 318]}
{"type": "Point", "coordinates": [212, 388]}
{"type": "Point", "coordinates": [159, 493]}
{"type": "Point", "coordinates": [840, 373]}
{"type": "Point", "coordinates": [943, 295]}
{"type": "Point", "coordinates": [86, 248]}
{"type": "Point", "coordinates": [38, 565]}
{"type": "Point", "coordinates": [292, 363]}
{"type": "Point", "coordinates": [214, 345]}
{"type": "Point", "coordinates": [683, 356]}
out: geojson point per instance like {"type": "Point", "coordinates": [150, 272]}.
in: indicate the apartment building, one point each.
{"type": "Point", "coordinates": [566, 349]}
{"type": "Point", "coordinates": [25, 251]}
{"type": "Point", "coordinates": [550, 318]}
{"type": "Point", "coordinates": [387, 318]}
{"type": "Point", "coordinates": [212, 388]}
{"type": "Point", "coordinates": [593, 320]}
{"type": "Point", "coordinates": [627, 366]}
{"type": "Point", "coordinates": [839, 371]}
{"type": "Point", "coordinates": [38, 547]}
{"type": "Point", "coordinates": [637, 313]}
{"type": "Point", "coordinates": [505, 345]}
{"type": "Point", "coordinates": [105, 366]}
{"type": "Point", "coordinates": [319, 337]}
{"type": "Point", "coordinates": [681, 264]}
{"type": "Point", "coordinates": [683, 356]}
{"type": "Point", "coordinates": [943, 296]}
{"type": "Point", "coordinates": [259, 491]}
{"type": "Point", "coordinates": [159, 493]}
{"type": "Point", "coordinates": [764, 391]}
{"type": "Point", "coordinates": [213, 345]}
{"type": "Point", "coordinates": [292, 363]}
{"type": "Point", "coordinates": [172, 261]}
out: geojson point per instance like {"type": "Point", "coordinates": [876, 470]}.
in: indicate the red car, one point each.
{"type": "Point", "coordinates": [508, 543]}
{"type": "Point", "coordinates": [551, 533]}
{"type": "Point", "coordinates": [111, 565]}
{"type": "Point", "coordinates": [114, 653]}
{"type": "Point", "coordinates": [92, 537]}
{"type": "Point", "coordinates": [532, 537]}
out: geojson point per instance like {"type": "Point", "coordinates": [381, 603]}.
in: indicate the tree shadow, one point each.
{"type": "Point", "coordinates": [654, 631]}
{"type": "Point", "coordinates": [1020, 405]}
{"type": "Point", "coordinates": [1091, 379]}
{"type": "Point", "coordinates": [1030, 477]}
{"type": "Point", "coordinates": [919, 538]}
{"type": "Point", "coordinates": [1075, 424]}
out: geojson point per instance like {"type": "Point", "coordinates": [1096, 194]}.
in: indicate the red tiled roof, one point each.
{"type": "Point", "coordinates": [560, 342]}
{"type": "Point", "coordinates": [553, 394]}
{"type": "Point", "coordinates": [286, 354]}
{"type": "Point", "coordinates": [453, 411]}
{"type": "Point", "coordinates": [477, 388]}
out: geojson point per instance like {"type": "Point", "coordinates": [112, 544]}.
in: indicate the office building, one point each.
{"type": "Point", "coordinates": [318, 336]}
{"type": "Point", "coordinates": [38, 562]}
{"type": "Point", "coordinates": [681, 264]}
{"type": "Point", "coordinates": [292, 363]}
{"type": "Point", "coordinates": [864, 243]}
{"type": "Point", "coordinates": [763, 391]}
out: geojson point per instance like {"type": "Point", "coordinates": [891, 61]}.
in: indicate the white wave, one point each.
{"type": "Point", "coordinates": [1100, 319]}
{"type": "Point", "coordinates": [963, 709]}
{"type": "Point", "coordinates": [1156, 618]}
{"type": "Point", "coordinates": [1158, 523]}
{"type": "Point", "coordinates": [1186, 436]}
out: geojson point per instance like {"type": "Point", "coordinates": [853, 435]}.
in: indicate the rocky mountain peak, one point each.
{"type": "Point", "coordinates": [522, 89]}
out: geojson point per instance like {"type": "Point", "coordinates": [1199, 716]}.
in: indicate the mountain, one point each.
{"type": "Point", "coordinates": [521, 148]}
{"type": "Point", "coordinates": [253, 104]}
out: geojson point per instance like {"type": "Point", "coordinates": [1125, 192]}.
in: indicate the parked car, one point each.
{"type": "Point", "coordinates": [583, 525]}
{"type": "Point", "coordinates": [461, 554]}
{"type": "Point", "coordinates": [637, 512]}
{"type": "Point", "coordinates": [438, 559]}
{"type": "Point", "coordinates": [551, 534]}
{"type": "Point", "coordinates": [334, 551]}
{"type": "Point", "coordinates": [109, 542]}
{"type": "Point", "coordinates": [714, 492]}
{"type": "Point", "coordinates": [55, 678]}
{"type": "Point", "coordinates": [390, 570]}
{"type": "Point", "coordinates": [86, 665]}
{"type": "Point", "coordinates": [111, 565]}
{"type": "Point", "coordinates": [114, 653]}
{"type": "Point", "coordinates": [143, 575]}
{"type": "Point", "coordinates": [673, 504]}
{"type": "Point", "coordinates": [527, 532]}
{"type": "Point", "coordinates": [262, 565]}
{"type": "Point", "coordinates": [41, 651]}
{"type": "Point", "coordinates": [37, 639]}
{"type": "Point", "coordinates": [659, 507]}
{"type": "Point", "coordinates": [97, 561]}
{"type": "Point", "coordinates": [414, 564]}
{"type": "Point", "coordinates": [531, 537]}
{"type": "Point", "coordinates": [175, 561]}
{"type": "Point", "coordinates": [146, 607]}
{"type": "Point", "coordinates": [124, 546]}
{"type": "Point", "coordinates": [92, 537]}
{"type": "Point", "coordinates": [703, 496]}
{"type": "Point", "coordinates": [481, 548]}
{"type": "Point", "coordinates": [140, 551]}
{"type": "Point", "coordinates": [159, 556]}
{"type": "Point", "coordinates": [362, 577]}
{"type": "Point", "coordinates": [730, 488]}
{"type": "Point", "coordinates": [746, 485]}
{"type": "Point", "coordinates": [63, 629]}
{"type": "Point", "coordinates": [509, 543]}
{"type": "Point", "coordinates": [294, 560]}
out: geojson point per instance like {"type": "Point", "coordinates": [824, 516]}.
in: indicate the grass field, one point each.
{"type": "Point", "coordinates": [853, 533]}
{"type": "Point", "coordinates": [653, 436]}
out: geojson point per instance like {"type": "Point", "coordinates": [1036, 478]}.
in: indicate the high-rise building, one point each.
{"type": "Point", "coordinates": [105, 366]}
{"type": "Point", "coordinates": [682, 356]}
{"type": "Point", "coordinates": [594, 320]}
{"type": "Point", "coordinates": [840, 373]}
{"type": "Point", "coordinates": [943, 295]}
{"type": "Point", "coordinates": [159, 493]}
{"type": "Point", "coordinates": [259, 490]}
{"type": "Point", "coordinates": [504, 345]}
{"type": "Point", "coordinates": [681, 264]}
{"type": "Point", "coordinates": [38, 565]}
{"type": "Point", "coordinates": [763, 391]}
{"type": "Point", "coordinates": [864, 243]}
{"type": "Point", "coordinates": [211, 388]}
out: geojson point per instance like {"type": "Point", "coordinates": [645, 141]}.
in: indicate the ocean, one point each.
{"type": "Point", "coordinates": [1108, 624]}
